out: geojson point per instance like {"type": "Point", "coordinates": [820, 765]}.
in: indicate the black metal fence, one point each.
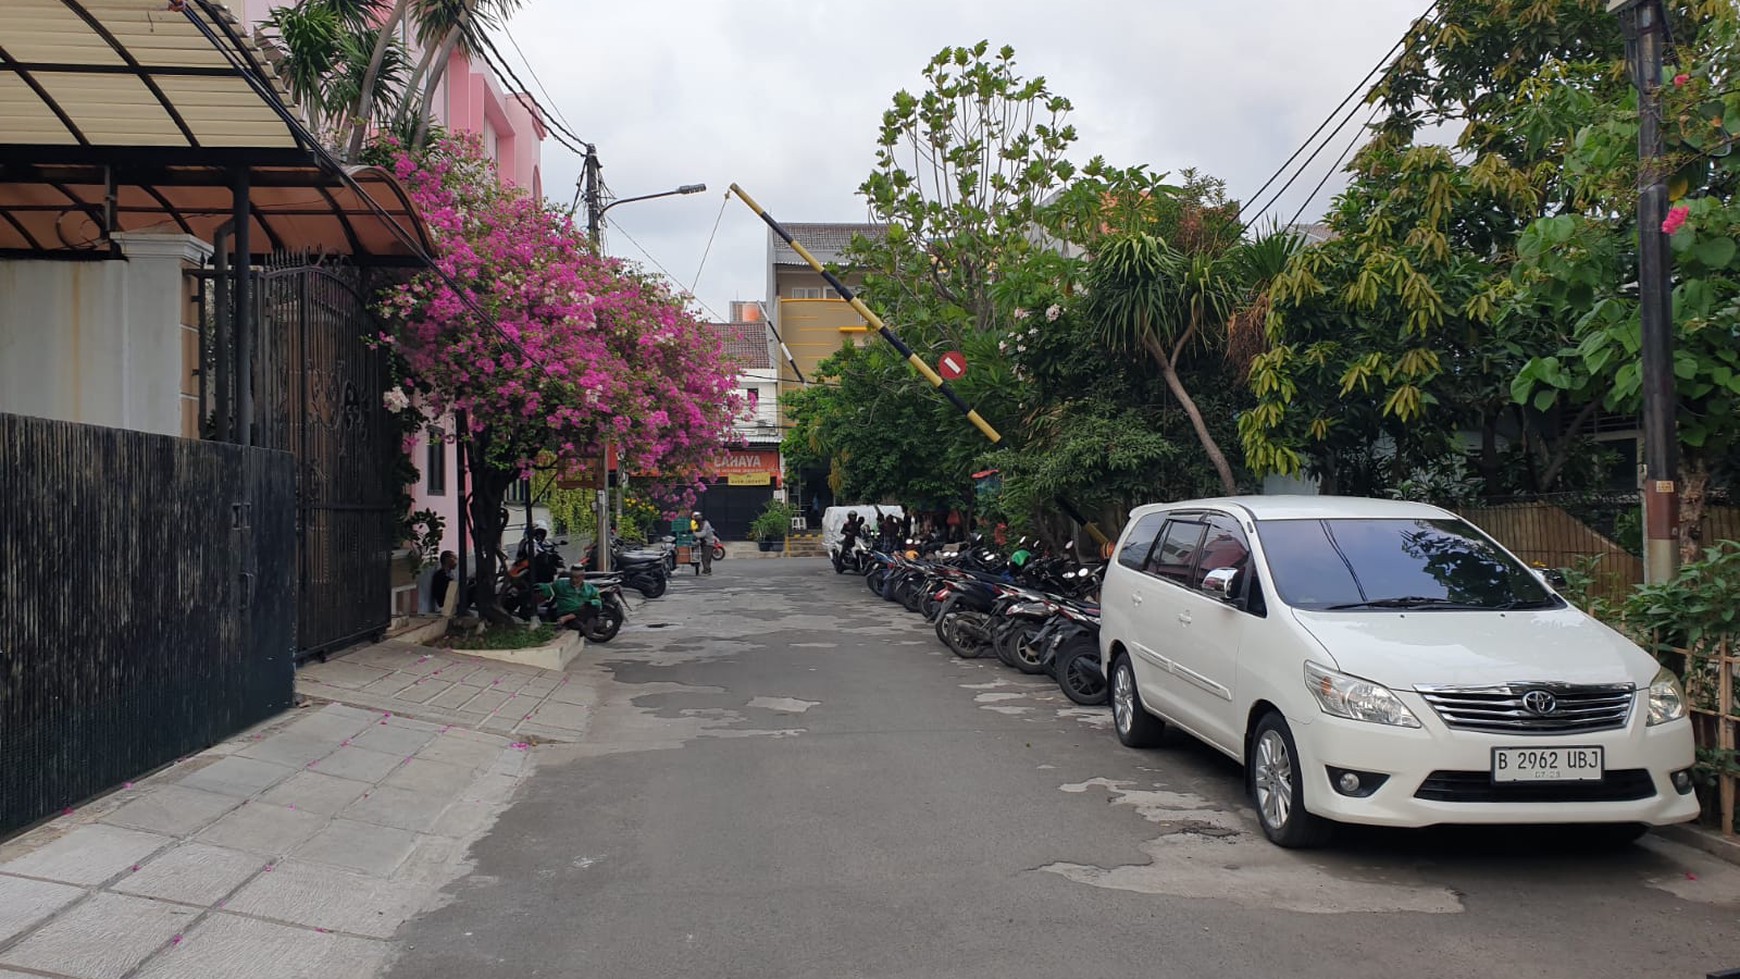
{"type": "Point", "coordinates": [147, 604]}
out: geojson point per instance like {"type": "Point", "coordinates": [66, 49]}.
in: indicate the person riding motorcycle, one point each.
{"type": "Point", "coordinates": [541, 554]}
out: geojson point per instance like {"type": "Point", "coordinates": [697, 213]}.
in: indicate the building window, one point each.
{"type": "Point", "coordinates": [436, 469]}
{"type": "Point", "coordinates": [753, 397]}
{"type": "Point", "coordinates": [806, 292]}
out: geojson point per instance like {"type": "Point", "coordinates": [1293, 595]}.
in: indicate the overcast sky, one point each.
{"type": "Point", "coordinates": [785, 98]}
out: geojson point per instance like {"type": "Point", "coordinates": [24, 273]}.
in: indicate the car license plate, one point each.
{"type": "Point", "coordinates": [1581, 764]}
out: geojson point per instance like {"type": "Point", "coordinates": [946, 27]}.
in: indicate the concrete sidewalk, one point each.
{"type": "Point", "coordinates": [294, 850]}
{"type": "Point", "coordinates": [451, 689]}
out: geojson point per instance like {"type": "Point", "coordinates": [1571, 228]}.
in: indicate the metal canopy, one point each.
{"type": "Point", "coordinates": [122, 115]}
{"type": "Point", "coordinates": [64, 209]}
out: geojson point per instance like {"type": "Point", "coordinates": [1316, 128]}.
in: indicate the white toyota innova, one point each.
{"type": "Point", "coordinates": [1381, 662]}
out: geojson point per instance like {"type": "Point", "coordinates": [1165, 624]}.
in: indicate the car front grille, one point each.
{"type": "Point", "coordinates": [1533, 708]}
{"type": "Point", "coordinates": [1619, 785]}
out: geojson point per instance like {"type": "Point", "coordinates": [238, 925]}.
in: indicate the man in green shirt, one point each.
{"type": "Point", "coordinates": [573, 600]}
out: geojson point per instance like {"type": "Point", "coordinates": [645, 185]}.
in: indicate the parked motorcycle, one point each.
{"type": "Point", "coordinates": [603, 625]}
{"type": "Point", "coordinates": [1071, 653]}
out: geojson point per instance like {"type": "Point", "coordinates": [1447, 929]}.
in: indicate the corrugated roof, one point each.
{"type": "Point", "coordinates": [826, 241]}
{"type": "Point", "coordinates": [745, 344]}
{"type": "Point", "coordinates": [132, 73]}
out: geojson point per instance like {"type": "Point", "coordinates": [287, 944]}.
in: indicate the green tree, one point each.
{"type": "Point", "coordinates": [1389, 340]}
{"type": "Point", "coordinates": [1577, 268]}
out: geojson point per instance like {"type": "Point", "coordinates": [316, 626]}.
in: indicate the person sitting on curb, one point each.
{"type": "Point", "coordinates": [573, 601]}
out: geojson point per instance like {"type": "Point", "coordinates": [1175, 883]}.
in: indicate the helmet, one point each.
{"type": "Point", "coordinates": [851, 515]}
{"type": "Point", "coordinates": [912, 555]}
{"type": "Point", "coordinates": [543, 525]}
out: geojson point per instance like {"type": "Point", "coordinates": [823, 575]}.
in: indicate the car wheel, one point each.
{"type": "Point", "coordinates": [1277, 787]}
{"type": "Point", "coordinates": [1135, 727]}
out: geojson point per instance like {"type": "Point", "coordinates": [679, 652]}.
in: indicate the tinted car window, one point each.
{"type": "Point", "coordinates": [1140, 540]}
{"type": "Point", "coordinates": [1175, 555]}
{"type": "Point", "coordinates": [1223, 547]}
{"type": "Point", "coordinates": [1425, 564]}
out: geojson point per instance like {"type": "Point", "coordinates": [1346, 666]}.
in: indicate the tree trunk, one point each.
{"type": "Point", "coordinates": [1562, 453]}
{"type": "Point", "coordinates": [365, 101]}
{"type": "Point", "coordinates": [1215, 456]}
{"type": "Point", "coordinates": [489, 488]}
{"type": "Point", "coordinates": [1489, 455]}
{"type": "Point", "coordinates": [436, 71]}
{"type": "Point", "coordinates": [1694, 500]}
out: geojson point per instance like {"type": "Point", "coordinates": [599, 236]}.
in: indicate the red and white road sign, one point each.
{"type": "Point", "coordinates": [952, 365]}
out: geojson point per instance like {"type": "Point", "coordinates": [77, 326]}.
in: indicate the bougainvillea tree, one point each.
{"type": "Point", "coordinates": [547, 350]}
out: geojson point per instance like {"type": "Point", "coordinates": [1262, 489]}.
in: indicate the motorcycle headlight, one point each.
{"type": "Point", "coordinates": [1667, 700]}
{"type": "Point", "coordinates": [1356, 699]}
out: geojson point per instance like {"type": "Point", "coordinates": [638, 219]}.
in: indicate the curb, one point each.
{"type": "Point", "coordinates": [1726, 848]}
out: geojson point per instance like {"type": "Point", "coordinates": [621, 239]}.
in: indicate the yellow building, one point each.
{"type": "Point", "coordinates": [810, 318]}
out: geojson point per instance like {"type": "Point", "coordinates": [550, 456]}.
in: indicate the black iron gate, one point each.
{"type": "Point", "coordinates": [319, 396]}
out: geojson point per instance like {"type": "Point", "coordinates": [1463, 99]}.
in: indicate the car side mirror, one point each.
{"type": "Point", "coordinates": [1223, 584]}
{"type": "Point", "coordinates": [1551, 577]}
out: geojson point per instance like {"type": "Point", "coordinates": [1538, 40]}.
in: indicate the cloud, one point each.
{"type": "Point", "coordinates": [785, 97]}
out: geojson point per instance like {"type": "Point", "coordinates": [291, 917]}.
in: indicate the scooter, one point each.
{"type": "Point", "coordinates": [1070, 648]}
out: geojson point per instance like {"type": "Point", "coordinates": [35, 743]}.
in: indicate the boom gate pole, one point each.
{"type": "Point", "coordinates": [857, 304]}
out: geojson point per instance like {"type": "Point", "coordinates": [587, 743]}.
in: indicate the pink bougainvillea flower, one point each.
{"type": "Point", "coordinates": [1676, 220]}
{"type": "Point", "coordinates": [1681, 79]}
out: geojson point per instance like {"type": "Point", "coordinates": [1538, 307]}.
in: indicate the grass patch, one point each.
{"type": "Point", "coordinates": [513, 636]}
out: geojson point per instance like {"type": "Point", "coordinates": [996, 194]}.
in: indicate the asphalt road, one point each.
{"type": "Point", "coordinates": [785, 776]}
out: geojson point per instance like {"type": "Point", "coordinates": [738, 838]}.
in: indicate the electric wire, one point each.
{"type": "Point", "coordinates": [709, 249]}
{"type": "Point", "coordinates": [660, 266]}
{"type": "Point", "coordinates": [535, 79]}
{"type": "Point", "coordinates": [1430, 14]}
{"type": "Point", "coordinates": [1336, 168]}
{"type": "Point", "coordinates": [492, 56]}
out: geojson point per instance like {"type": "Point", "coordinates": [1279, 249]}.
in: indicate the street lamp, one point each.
{"type": "Point", "coordinates": [594, 227]}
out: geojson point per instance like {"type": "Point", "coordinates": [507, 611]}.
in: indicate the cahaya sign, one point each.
{"type": "Point", "coordinates": [749, 467]}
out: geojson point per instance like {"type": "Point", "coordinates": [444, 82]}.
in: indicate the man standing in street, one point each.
{"type": "Point", "coordinates": [705, 538]}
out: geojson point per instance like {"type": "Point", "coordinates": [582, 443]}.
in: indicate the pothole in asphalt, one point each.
{"type": "Point", "coordinates": [658, 625]}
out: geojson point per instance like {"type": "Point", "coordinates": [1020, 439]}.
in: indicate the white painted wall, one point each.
{"type": "Point", "coordinates": [98, 342]}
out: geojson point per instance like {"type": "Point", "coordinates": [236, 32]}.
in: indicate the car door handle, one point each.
{"type": "Point", "coordinates": [1135, 599]}
{"type": "Point", "coordinates": [1184, 617]}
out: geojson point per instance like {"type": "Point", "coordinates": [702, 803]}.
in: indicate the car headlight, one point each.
{"type": "Point", "coordinates": [1355, 699]}
{"type": "Point", "coordinates": [1667, 701]}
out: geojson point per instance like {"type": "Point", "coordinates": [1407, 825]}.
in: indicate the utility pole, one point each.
{"type": "Point", "coordinates": [1645, 28]}
{"type": "Point", "coordinates": [595, 208]}
{"type": "Point", "coordinates": [594, 226]}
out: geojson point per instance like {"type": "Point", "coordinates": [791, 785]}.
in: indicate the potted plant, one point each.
{"type": "Point", "coordinates": [771, 526]}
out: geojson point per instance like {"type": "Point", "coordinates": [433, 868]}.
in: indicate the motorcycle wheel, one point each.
{"type": "Point", "coordinates": [874, 581]}
{"type": "Point", "coordinates": [718, 552]}
{"type": "Point", "coordinates": [929, 606]}
{"type": "Point", "coordinates": [604, 626]}
{"type": "Point", "coordinates": [912, 594]}
{"type": "Point", "coordinates": [891, 589]}
{"type": "Point", "coordinates": [655, 589]}
{"type": "Point", "coordinates": [1000, 641]}
{"type": "Point", "coordinates": [1078, 673]}
{"type": "Point", "coordinates": [1028, 658]}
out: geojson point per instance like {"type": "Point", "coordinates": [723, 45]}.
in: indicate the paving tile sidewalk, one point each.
{"type": "Point", "coordinates": [294, 850]}
{"type": "Point", "coordinates": [448, 688]}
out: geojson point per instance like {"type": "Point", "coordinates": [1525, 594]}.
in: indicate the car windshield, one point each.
{"type": "Point", "coordinates": [1354, 564]}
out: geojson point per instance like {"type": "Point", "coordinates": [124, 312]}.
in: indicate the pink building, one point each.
{"type": "Point", "coordinates": [470, 100]}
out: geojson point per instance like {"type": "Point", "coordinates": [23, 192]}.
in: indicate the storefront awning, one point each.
{"type": "Point", "coordinates": [129, 115]}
